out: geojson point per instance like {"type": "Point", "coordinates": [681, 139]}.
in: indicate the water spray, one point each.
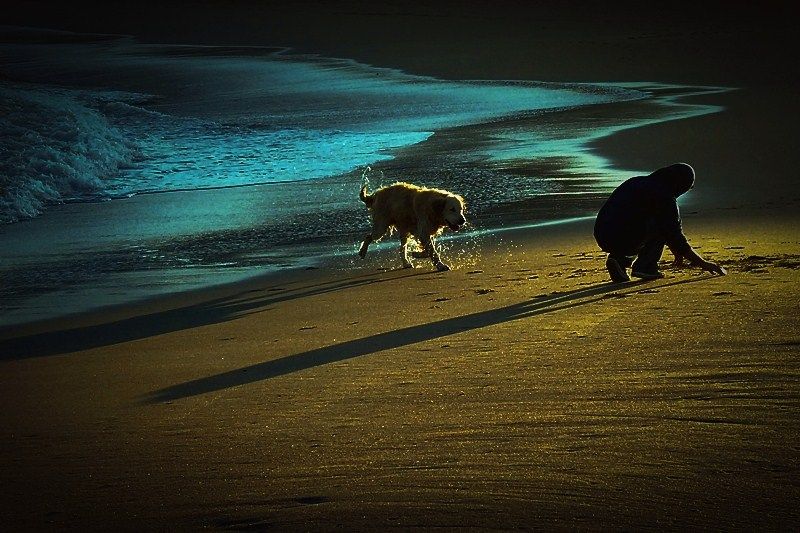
{"type": "Point", "coordinates": [365, 174]}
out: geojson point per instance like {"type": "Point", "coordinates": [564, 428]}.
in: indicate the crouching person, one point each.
{"type": "Point", "coordinates": [641, 217]}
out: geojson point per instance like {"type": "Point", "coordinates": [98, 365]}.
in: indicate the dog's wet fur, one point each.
{"type": "Point", "coordinates": [415, 211]}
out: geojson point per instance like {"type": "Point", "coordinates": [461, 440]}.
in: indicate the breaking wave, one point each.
{"type": "Point", "coordinates": [57, 146]}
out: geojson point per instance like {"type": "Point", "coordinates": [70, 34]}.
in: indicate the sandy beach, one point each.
{"type": "Point", "coordinates": [528, 392]}
{"type": "Point", "coordinates": [521, 390]}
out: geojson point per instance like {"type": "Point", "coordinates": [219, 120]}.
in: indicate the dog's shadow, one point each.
{"type": "Point", "coordinates": [396, 339]}
{"type": "Point", "coordinates": [64, 341]}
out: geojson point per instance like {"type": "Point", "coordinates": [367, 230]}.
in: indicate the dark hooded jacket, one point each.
{"type": "Point", "coordinates": [644, 208]}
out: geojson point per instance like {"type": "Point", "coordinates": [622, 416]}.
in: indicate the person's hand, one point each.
{"type": "Point", "coordinates": [713, 268]}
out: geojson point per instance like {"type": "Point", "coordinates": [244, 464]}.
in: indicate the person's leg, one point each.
{"type": "Point", "coordinates": [624, 260]}
{"type": "Point", "coordinates": [646, 264]}
{"type": "Point", "coordinates": [616, 263]}
{"type": "Point", "coordinates": [619, 259]}
{"type": "Point", "coordinates": [620, 251]}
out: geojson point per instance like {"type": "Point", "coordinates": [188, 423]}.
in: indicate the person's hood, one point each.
{"type": "Point", "coordinates": [677, 178]}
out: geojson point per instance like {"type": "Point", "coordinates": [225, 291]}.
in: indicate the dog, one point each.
{"type": "Point", "coordinates": [412, 211]}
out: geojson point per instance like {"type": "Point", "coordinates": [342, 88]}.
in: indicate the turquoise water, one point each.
{"type": "Point", "coordinates": [88, 121]}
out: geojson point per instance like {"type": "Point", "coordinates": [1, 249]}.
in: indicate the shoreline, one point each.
{"type": "Point", "coordinates": [328, 267]}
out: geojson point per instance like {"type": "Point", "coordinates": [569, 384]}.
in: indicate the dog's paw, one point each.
{"type": "Point", "coordinates": [362, 251]}
{"type": "Point", "coordinates": [408, 265]}
{"type": "Point", "coordinates": [441, 267]}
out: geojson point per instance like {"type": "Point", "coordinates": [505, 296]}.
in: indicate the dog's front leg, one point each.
{"type": "Point", "coordinates": [430, 248]}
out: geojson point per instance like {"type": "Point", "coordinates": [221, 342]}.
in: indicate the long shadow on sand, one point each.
{"type": "Point", "coordinates": [215, 311]}
{"type": "Point", "coordinates": [395, 339]}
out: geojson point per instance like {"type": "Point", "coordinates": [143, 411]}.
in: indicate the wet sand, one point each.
{"type": "Point", "coordinates": [519, 391]}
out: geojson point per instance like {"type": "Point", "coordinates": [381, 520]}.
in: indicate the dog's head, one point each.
{"type": "Point", "coordinates": [451, 208]}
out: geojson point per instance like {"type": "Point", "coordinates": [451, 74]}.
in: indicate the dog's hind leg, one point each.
{"type": "Point", "coordinates": [404, 250]}
{"type": "Point", "coordinates": [378, 231]}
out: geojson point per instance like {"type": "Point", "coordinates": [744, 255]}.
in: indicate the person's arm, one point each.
{"type": "Point", "coordinates": [678, 256]}
{"type": "Point", "coordinates": [673, 230]}
{"type": "Point", "coordinates": [679, 244]}
{"type": "Point", "coordinates": [695, 259]}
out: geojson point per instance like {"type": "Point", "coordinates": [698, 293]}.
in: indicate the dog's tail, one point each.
{"type": "Point", "coordinates": [365, 197]}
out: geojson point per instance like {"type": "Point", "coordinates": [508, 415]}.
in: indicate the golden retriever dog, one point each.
{"type": "Point", "coordinates": [412, 211]}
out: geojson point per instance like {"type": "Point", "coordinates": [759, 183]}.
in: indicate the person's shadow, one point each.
{"type": "Point", "coordinates": [394, 339]}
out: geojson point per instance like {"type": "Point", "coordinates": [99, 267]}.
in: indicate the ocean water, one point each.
{"type": "Point", "coordinates": [118, 118]}
{"type": "Point", "coordinates": [123, 163]}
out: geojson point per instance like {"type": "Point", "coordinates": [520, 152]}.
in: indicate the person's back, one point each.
{"type": "Point", "coordinates": [623, 219]}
